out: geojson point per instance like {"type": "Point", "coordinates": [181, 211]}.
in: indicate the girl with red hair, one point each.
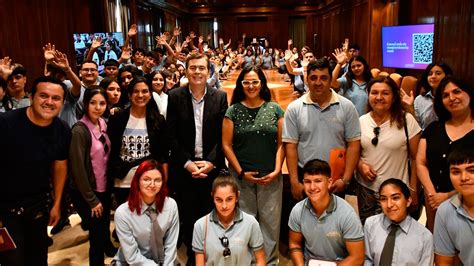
{"type": "Point", "coordinates": [147, 224]}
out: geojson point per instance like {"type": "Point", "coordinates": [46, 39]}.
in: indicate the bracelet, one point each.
{"type": "Point", "coordinates": [291, 250]}
{"type": "Point", "coordinates": [411, 189]}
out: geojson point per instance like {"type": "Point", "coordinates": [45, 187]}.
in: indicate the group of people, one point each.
{"type": "Point", "coordinates": [159, 150]}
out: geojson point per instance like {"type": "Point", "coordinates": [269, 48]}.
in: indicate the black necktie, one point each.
{"type": "Point", "coordinates": [387, 251]}
{"type": "Point", "coordinates": [156, 239]}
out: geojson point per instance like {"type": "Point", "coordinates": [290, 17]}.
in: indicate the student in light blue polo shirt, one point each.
{"type": "Point", "coordinates": [227, 235]}
{"type": "Point", "coordinates": [454, 223]}
{"type": "Point", "coordinates": [324, 224]}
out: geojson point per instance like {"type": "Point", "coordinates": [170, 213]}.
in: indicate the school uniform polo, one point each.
{"type": "Point", "coordinates": [325, 236]}
{"type": "Point", "coordinates": [244, 237]}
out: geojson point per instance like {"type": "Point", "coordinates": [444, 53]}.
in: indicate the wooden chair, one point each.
{"type": "Point", "coordinates": [384, 74]}
{"type": "Point", "coordinates": [409, 83]}
{"type": "Point", "coordinates": [375, 72]}
{"type": "Point", "coordinates": [397, 78]}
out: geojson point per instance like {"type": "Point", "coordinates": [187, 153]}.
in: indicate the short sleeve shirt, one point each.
{"type": "Point", "coordinates": [325, 236]}
{"type": "Point", "coordinates": [255, 134]}
{"type": "Point", "coordinates": [355, 92]}
{"type": "Point", "coordinates": [453, 231]}
{"type": "Point", "coordinates": [244, 237]}
{"type": "Point", "coordinates": [318, 130]}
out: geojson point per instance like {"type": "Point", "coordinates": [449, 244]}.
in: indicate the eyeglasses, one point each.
{"type": "Point", "coordinates": [375, 140]}
{"type": "Point", "coordinates": [104, 142]}
{"type": "Point", "coordinates": [149, 181]}
{"type": "Point", "coordinates": [87, 70]}
{"type": "Point", "coordinates": [247, 83]}
{"type": "Point", "coordinates": [225, 243]}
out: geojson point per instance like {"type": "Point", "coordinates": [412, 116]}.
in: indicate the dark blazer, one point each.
{"type": "Point", "coordinates": [180, 120]}
{"type": "Point", "coordinates": [157, 134]}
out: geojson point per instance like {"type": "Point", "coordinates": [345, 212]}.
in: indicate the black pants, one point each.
{"type": "Point", "coordinates": [30, 236]}
{"type": "Point", "coordinates": [193, 196]}
{"type": "Point", "coordinates": [99, 232]}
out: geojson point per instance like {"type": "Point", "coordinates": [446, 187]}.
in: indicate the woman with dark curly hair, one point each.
{"type": "Point", "coordinates": [454, 106]}
{"type": "Point", "coordinates": [251, 140]}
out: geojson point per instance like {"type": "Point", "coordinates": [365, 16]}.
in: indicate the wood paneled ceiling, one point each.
{"type": "Point", "coordinates": [191, 4]}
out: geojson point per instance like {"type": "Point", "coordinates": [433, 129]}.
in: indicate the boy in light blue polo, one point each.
{"type": "Point", "coordinates": [454, 222]}
{"type": "Point", "coordinates": [328, 225]}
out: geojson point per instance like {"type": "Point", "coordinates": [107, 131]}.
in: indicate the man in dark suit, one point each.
{"type": "Point", "coordinates": [195, 114]}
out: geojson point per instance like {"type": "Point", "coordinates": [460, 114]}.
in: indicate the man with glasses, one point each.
{"type": "Point", "coordinates": [73, 109]}
{"type": "Point", "coordinates": [35, 145]}
{"type": "Point", "coordinates": [319, 122]}
{"type": "Point", "coordinates": [195, 113]}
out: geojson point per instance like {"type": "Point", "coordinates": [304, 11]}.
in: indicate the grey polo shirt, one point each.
{"type": "Point", "coordinates": [317, 130]}
{"type": "Point", "coordinates": [325, 236]}
{"type": "Point", "coordinates": [244, 237]}
{"type": "Point", "coordinates": [413, 242]}
{"type": "Point", "coordinates": [454, 231]}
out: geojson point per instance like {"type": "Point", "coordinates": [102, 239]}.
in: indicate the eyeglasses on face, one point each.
{"type": "Point", "coordinates": [149, 181]}
{"type": "Point", "coordinates": [225, 243]}
{"type": "Point", "coordinates": [247, 83]}
{"type": "Point", "coordinates": [92, 70]}
{"type": "Point", "coordinates": [375, 140]}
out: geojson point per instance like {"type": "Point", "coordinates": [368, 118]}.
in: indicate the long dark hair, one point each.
{"type": "Point", "coordinates": [397, 111]}
{"type": "Point", "coordinates": [152, 112]}
{"type": "Point", "coordinates": [350, 76]}
{"type": "Point", "coordinates": [151, 76]}
{"type": "Point", "coordinates": [238, 94]}
{"type": "Point", "coordinates": [91, 92]}
{"type": "Point", "coordinates": [424, 77]}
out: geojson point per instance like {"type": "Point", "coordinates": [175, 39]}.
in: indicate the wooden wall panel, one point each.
{"type": "Point", "coordinates": [454, 29]}
{"type": "Point", "coordinates": [27, 25]}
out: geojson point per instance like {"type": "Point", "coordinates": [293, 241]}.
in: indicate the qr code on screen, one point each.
{"type": "Point", "coordinates": [422, 48]}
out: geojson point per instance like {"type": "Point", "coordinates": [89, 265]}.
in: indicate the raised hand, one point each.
{"type": "Point", "coordinates": [60, 60]}
{"type": "Point", "coordinates": [209, 37]}
{"type": "Point", "coordinates": [221, 41]}
{"type": "Point", "coordinates": [48, 51]}
{"type": "Point", "coordinates": [340, 55]}
{"type": "Point", "coordinates": [132, 31]}
{"type": "Point", "coordinates": [243, 36]}
{"type": "Point", "coordinates": [126, 53]}
{"type": "Point", "coordinates": [96, 43]}
{"type": "Point", "coordinates": [290, 42]}
{"type": "Point", "coordinates": [5, 66]}
{"type": "Point", "coordinates": [166, 34]}
{"type": "Point", "coordinates": [176, 31]}
{"type": "Point", "coordinates": [161, 40]}
{"type": "Point", "coordinates": [407, 99]}
{"type": "Point", "coordinates": [178, 47]}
